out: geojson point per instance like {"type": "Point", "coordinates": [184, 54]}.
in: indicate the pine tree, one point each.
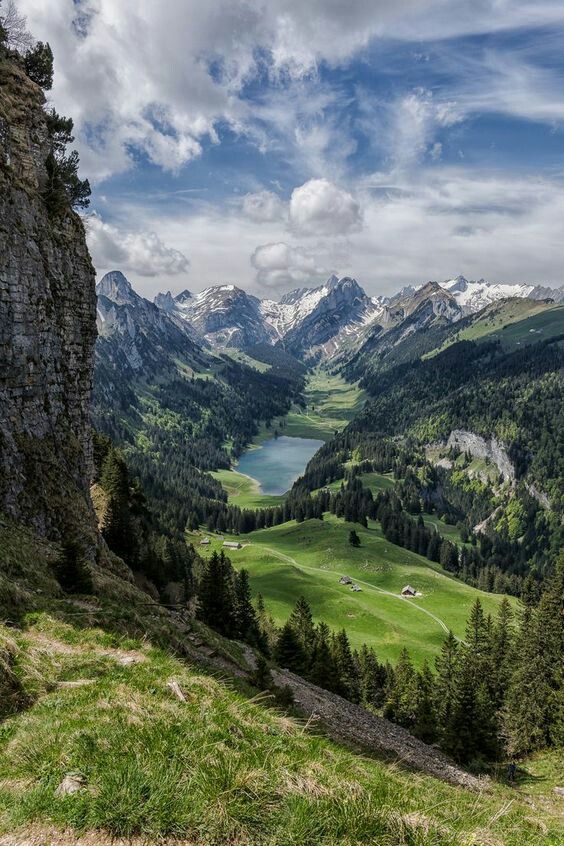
{"type": "Point", "coordinates": [502, 652]}
{"type": "Point", "coordinates": [71, 569]}
{"type": "Point", "coordinates": [346, 669]}
{"type": "Point", "coordinates": [262, 677]}
{"type": "Point", "coordinates": [533, 712]}
{"type": "Point", "coordinates": [474, 729]}
{"type": "Point", "coordinates": [215, 595]}
{"type": "Point", "coordinates": [371, 678]}
{"type": "Point", "coordinates": [354, 539]}
{"type": "Point", "coordinates": [38, 63]}
{"type": "Point", "coordinates": [401, 698]}
{"type": "Point", "coordinates": [289, 653]}
{"type": "Point", "coordinates": [447, 665]}
{"type": "Point", "coordinates": [301, 620]}
{"type": "Point", "coordinates": [117, 528]}
{"type": "Point", "coordinates": [323, 671]}
{"type": "Point", "coordinates": [246, 625]}
{"type": "Point", "coordinates": [425, 717]}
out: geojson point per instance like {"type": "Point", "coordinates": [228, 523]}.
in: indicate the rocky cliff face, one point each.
{"type": "Point", "coordinates": [479, 447]}
{"type": "Point", "coordinates": [47, 326]}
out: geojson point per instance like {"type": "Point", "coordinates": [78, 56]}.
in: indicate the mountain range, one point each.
{"type": "Point", "coordinates": [336, 318]}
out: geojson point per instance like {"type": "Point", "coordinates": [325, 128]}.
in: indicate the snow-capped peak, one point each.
{"type": "Point", "coordinates": [472, 296]}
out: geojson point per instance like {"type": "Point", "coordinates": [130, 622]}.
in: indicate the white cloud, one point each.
{"type": "Point", "coordinates": [321, 208]}
{"type": "Point", "coordinates": [158, 78]}
{"type": "Point", "coordinates": [444, 221]}
{"type": "Point", "coordinates": [280, 265]}
{"type": "Point", "coordinates": [140, 252]}
{"type": "Point", "coordinates": [263, 206]}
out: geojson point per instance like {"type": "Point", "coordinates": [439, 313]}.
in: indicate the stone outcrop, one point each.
{"type": "Point", "coordinates": [47, 326]}
{"type": "Point", "coordinates": [479, 447]}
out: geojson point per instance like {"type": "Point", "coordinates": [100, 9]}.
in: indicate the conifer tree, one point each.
{"type": "Point", "coordinates": [502, 652]}
{"type": "Point", "coordinates": [346, 669]}
{"type": "Point", "coordinates": [301, 620]}
{"type": "Point", "coordinates": [117, 529]}
{"type": "Point", "coordinates": [323, 671]}
{"type": "Point", "coordinates": [447, 665]}
{"type": "Point", "coordinates": [402, 694]}
{"type": "Point", "coordinates": [371, 678]}
{"type": "Point", "coordinates": [425, 717]}
{"type": "Point", "coordinates": [215, 595]}
{"type": "Point", "coordinates": [354, 539]}
{"type": "Point", "coordinates": [289, 653]}
{"type": "Point", "coordinates": [474, 727]}
{"type": "Point", "coordinates": [246, 624]}
{"type": "Point", "coordinates": [533, 712]}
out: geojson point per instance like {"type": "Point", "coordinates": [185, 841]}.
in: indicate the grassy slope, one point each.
{"type": "Point", "coordinates": [514, 322]}
{"type": "Point", "coordinates": [307, 559]}
{"type": "Point", "coordinates": [216, 768]}
{"type": "Point", "coordinates": [244, 491]}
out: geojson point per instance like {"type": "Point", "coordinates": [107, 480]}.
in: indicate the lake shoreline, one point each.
{"type": "Point", "coordinates": [278, 463]}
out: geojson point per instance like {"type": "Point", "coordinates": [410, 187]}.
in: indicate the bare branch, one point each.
{"type": "Point", "coordinates": [15, 25]}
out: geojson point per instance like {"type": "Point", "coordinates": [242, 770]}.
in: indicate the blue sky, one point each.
{"type": "Point", "coordinates": [271, 143]}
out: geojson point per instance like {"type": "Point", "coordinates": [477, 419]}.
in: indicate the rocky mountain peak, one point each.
{"type": "Point", "coordinates": [166, 302]}
{"type": "Point", "coordinates": [459, 283]}
{"type": "Point", "coordinates": [117, 288]}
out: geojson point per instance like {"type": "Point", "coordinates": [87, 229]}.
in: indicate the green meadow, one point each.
{"type": "Point", "coordinates": [308, 558]}
{"type": "Point", "coordinates": [331, 403]}
{"type": "Point", "coordinates": [244, 491]}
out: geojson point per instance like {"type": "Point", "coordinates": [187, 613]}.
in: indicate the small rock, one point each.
{"type": "Point", "coordinates": [559, 791]}
{"type": "Point", "coordinates": [176, 689]}
{"type": "Point", "coordinates": [72, 783]}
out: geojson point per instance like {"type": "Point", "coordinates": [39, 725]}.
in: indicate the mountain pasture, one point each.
{"type": "Point", "coordinates": [294, 559]}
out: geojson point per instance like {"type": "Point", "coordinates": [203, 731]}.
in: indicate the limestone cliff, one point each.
{"type": "Point", "coordinates": [47, 327]}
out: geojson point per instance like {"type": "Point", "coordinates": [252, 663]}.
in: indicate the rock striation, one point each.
{"type": "Point", "coordinates": [47, 325]}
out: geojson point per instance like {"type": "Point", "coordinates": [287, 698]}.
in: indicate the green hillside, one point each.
{"type": "Point", "coordinates": [308, 558]}
{"type": "Point", "coordinates": [213, 769]}
{"type": "Point", "coordinates": [514, 322]}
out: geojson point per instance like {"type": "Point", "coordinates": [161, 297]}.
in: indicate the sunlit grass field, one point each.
{"type": "Point", "coordinates": [308, 558]}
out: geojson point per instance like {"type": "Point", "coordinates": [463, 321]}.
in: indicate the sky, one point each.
{"type": "Point", "coordinates": [269, 143]}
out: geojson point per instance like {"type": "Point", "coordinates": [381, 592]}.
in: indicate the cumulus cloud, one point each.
{"type": "Point", "coordinates": [159, 78]}
{"type": "Point", "coordinates": [140, 252]}
{"type": "Point", "coordinates": [280, 265]}
{"type": "Point", "coordinates": [321, 208]}
{"type": "Point", "coordinates": [263, 206]}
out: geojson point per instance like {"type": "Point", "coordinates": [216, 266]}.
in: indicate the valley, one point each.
{"type": "Point", "coordinates": [278, 566]}
{"type": "Point", "coordinates": [329, 403]}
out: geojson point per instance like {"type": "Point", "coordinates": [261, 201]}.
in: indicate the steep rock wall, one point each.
{"type": "Point", "coordinates": [47, 327]}
{"type": "Point", "coordinates": [479, 447]}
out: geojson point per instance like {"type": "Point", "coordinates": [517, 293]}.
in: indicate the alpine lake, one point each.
{"type": "Point", "coordinates": [278, 462]}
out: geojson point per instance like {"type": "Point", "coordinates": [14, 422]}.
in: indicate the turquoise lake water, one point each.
{"type": "Point", "coordinates": [277, 463]}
